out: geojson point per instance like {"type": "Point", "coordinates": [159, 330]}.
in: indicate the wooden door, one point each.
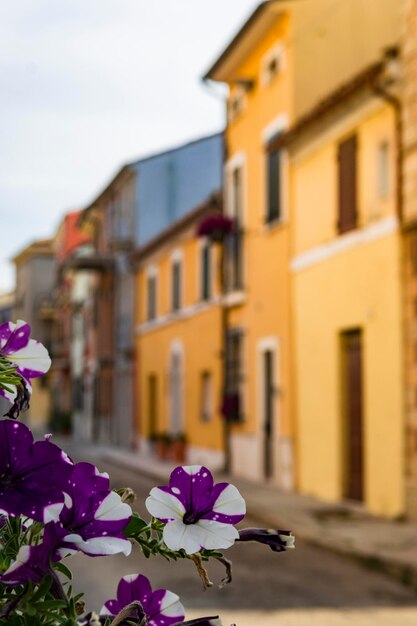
{"type": "Point", "coordinates": [268, 410]}
{"type": "Point", "coordinates": [353, 410]}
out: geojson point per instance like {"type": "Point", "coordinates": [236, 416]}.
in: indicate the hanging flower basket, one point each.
{"type": "Point", "coordinates": [215, 226]}
{"type": "Point", "coordinates": [231, 409]}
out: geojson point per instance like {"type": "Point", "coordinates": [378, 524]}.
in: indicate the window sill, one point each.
{"type": "Point", "coordinates": [273, 224]}
{"type": "Point", "coordinates": [234, 298]}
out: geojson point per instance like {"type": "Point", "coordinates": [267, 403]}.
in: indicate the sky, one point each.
{"type": "Point", "coordinates": [88, 85]}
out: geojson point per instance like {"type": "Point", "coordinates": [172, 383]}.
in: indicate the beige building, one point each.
{"type": "Point", "coordinates": [33, 304]}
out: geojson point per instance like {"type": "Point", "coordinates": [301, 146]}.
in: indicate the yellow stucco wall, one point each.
{"type": "Point", "coordinates": [332, 41]}
{"type": "Point", "coordinates": [263, 311]}
{"type": "Point", "coordinates": [195, 331]}
{"type": "Point", "coordinates": [341, 283]}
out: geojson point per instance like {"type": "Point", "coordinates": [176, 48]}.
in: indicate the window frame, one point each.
{"type": "Point", "coordinates": [176, 299]}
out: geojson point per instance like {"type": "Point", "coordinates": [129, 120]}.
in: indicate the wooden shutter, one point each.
{"type": "Point", "coordinates": [347, 184]}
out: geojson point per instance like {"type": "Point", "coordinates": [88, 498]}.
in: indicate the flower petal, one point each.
{"type": "Point", "coordinates": [229, 506]}
{"type": "Point", "coordinates": [215, 535]}
{"type": "Point", "coordinates": [101, 546]}
{"type": "Point", "coordinates": [178, 535]}
{"type": "Point", "coordinates": [171, 606]}
{"type": "Point", "coordinates": [192, 485]}
{"type": "Point", "coordinates": [30, 356]}
{"type": "Point", "coordinates": [164, 505]}
{"type": "Point", "coordinates": [112, 509]}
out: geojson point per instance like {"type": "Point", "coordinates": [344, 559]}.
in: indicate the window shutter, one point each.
{"type": "Point", "coordinates": [347, 184]}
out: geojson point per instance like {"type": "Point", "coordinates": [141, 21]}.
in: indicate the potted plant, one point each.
{"type": "Point", "coordinates": [178, 448]}
{"type": "Point", "coordinates": [162, 446]}
{"type": "Point", "coordinates": [215, 226]}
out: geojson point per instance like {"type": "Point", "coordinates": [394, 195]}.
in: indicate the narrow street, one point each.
{"type": "Point", "coordinates": [307, 586]}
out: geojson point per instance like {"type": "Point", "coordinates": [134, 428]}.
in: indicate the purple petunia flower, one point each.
{"type": "Point", "coordinates": [198, 514]}
{"type": "Point", "coordinates": [94, 517]}
{"type": "Point", "coordinates": [161, 607]}
{"type": "Point", "coordinates": [31, 563]}
{"type": "Point", "coordinates": [277, 540]}
{"type": "Point", "coordinates": [29, 356]}
{"type": "Point", "coordinates": [32, 474]}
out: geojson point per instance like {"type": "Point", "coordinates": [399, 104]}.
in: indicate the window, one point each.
{"type": "Point", "coordinates": [234, 241]}
{"type": "Point", "coordinates": [78, 393]}
{"type": "Point", "coordinates": [206, 400]}
{"type": "Point", "coordinates": [152, 404]}
{"type": "Point", "coordinates": [205, 264]}
{"type": "Point", "coordinates": [272, 64]}
{"type": "Point", "coordinates": [232, 402]}
{"type": "Point", "coordinates": [347, 182]}
{"type": "Point", "coordinates": [273, 162]}
{"type": "Point", "coordinates": [151, 297]}
{"type": "Point", "coordinates": [383, 169]}
{"type": "Point", "coordinates": [176, 285]}
{"type": "Point", "coordinates": [236, 104]}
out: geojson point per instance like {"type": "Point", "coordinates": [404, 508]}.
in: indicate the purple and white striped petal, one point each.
{"type": "Point", "coordinates": [164, 506]}
{"type": "Point", "coordinates": [198, 514]}
{"type": "Point", "coordinates": [29, 356]}
{"type": "Point", "coordinates": [277, 540]}
{"type": "Point", "coordinates": [32, 474]}
{"type": "Point", "coordinates": [94, 517]}
{"type": "Point", "coordinates": [31, 563]}
{"type": "Point", "coordinates": [162, 607]}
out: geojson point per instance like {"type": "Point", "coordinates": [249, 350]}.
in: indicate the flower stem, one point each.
{"type": "Point", "coordinates": [57, 589]}
{"type": "Point", "coordinates": [128, 612]}
{"type": "Point", "coordinates": [198, 562]}
{"type": "Point", "coordinates": [228, 566]}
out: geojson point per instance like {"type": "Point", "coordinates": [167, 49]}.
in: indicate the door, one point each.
{"type": "Point", "coordinates": [268, 411]}
{"type": "Point", "coordinates": [353, 412]}
{"type": "Point", "coordinates": [176, 390]}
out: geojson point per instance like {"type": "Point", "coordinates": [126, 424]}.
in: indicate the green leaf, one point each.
{"type": "Point", "coordinates": [63, 569]}
{"type": "Point", "coordinates": [135, 526]}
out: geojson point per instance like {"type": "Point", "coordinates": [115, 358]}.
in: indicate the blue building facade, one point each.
{"type": "Point", "coordinates": [172, 183]}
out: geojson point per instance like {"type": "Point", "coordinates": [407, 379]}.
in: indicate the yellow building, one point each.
{"type": "Point", "coordinates": [179, 340]}
{"type": "Point", "coordinates": [346, 299]}
{"type": "Point", "coordinates": [288, 57]}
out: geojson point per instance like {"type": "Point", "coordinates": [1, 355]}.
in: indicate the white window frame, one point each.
{"type": "Point", "coordinates": [269, 344]}
{"type": "Point", "coordinates": [204, 242]}
{"type": "Point", "coordinates": [383, 169]}
{"type": "Point", "coordinates": [237, 161]}
{"type": "Point", "coordinates": [276, 126]}
{"type": "Point", "coordinates": [177, 256]}
{"type": "Point", "coordinates": [176, 350]}
{"type": "Point", "coordinates": [277, 54]}
{"type": "Point", "coordinates": [152, 272]}
{"type": "Point", "coordinates": [206, 396]}
{"type": "Point", "coordinates": [238, 96]}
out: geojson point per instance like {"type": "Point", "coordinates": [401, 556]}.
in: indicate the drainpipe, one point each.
{"type": "Point", "coordinates": [227, 467]}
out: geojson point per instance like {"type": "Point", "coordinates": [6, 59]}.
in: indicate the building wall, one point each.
{"type": "Point", "coordinates": [263, 310]}
{"type": "Point", "coordinates": [332, 41]}
{"type": "Point", "coordinates": [409, 139]}
{"type": "Point", "coordinates": [193, 332]}
{"type": "Point", "coordinates": [341, 283]}
{"type": "Point", "coordinates": [34, 281]}
{"type": "Point", "coordinates": [171, 184]}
